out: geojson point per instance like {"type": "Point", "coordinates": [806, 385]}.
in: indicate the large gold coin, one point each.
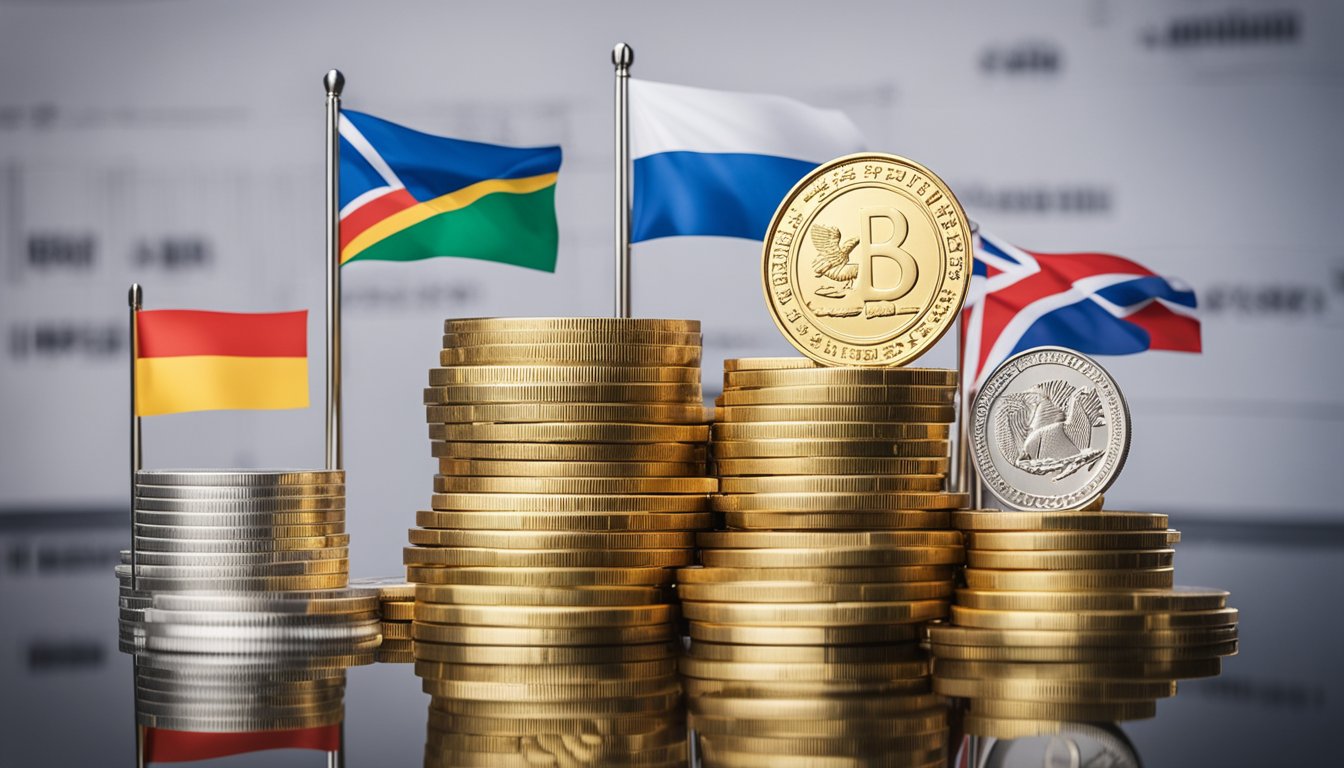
{"type": "Point", "coordinates": [491, 468]}
{"type": "Point", "coordinates": [893, 394]}
{"type": "Point", "coordinates": [833, 557]}
{"type": "Point", "coordinates": [564, 521]}
{"type": "Point", "coordinates": [547, 558]}
{"type": "Point", "coordinates": [1082, 620]}
{"type": "Point", "coordinates": [575, 485]}
{"type": "Point", "coordinates": [476, 338]}
{"type": "Point", "coordinates": [817, 575]}
{"type": "Point", "coordinates": [1085, 559]}
{"type": "Point", "coordinates": [939, 414]}
{"type": "Point", "coordinates": [541, 576]}
{"type": "Point", "coordinates": [544, 324]}
{"type": "Point", "coordinates": [589, 452]}
{"type": "Point", "coordinates": [867, 261]}
{"type": "Point", "coordinates": [753, 449]}
{"type": "Point", "coordinates": [1074, 711]}
{"type": "Point", "coordinates": [495, 635]}
{"type": "Point", "coordinates": [1076, 654]}
{"type": "Point", "coordinates": [763, 635]}
{"type": "Point", "coordinates": [626, 354]}
{"type": "Point", "coordinates": [790, 592]}
{"type": "Point", "coordinates": [994, 520]}
{"type": "Point", "coordinates": [814, 614]}
{"type": "Point", "coordinates": [532, 413]}
{"type": "Point", "coordinates": [468, 594]}
{"type": "Point", "coordinates": [506, 539]}
{"type": "Point", "coordinates": [812, 521]}
{"type": "Point", "coordinates": [826, 539]}
{"type": "Point", "coordinates": [569, 502]}
{"type": "Point", "coordinates": [833, 430]}
{"type": "Point", "coordinates": [839, 502]}
{"type": "Point", "coordinates": [1037, 581]}
{"type": "Point", "coordinates": [1044, 540]}
{"type": "Point", "coordinates": [545, 655]}
{"type": "Point", "coordinates": [836, 376]}
{"type": "Point", "coordinates": [573, 432]}
{"type": "Point", "coordinates": [808, 484]}
{"type": "Point", "coordinates": [1148, 600]}
{"type": "Point", "coordinates": [544, 616]}
{"type": "Point", "coordinates": [563, 393]}
{"type": "Point", "coordinates": [1125, 638]}
{"type": "Point", "coordinates": [1160, 670]}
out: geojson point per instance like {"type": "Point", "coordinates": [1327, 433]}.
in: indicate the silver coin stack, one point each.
{"type": "Point", "coordinates": [251, 662]}
{"type": "Point", "coordinates": [230, 532]}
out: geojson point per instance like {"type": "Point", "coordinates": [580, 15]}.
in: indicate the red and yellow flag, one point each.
{"type": "Point", "coordinates": [187, 360]}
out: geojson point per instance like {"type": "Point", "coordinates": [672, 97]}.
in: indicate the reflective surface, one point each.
{"type": "Point", "coordinates": [1279, 696]}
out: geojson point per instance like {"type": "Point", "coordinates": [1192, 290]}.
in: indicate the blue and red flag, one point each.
{"type": "Point", "coordinates": [1095, 303]}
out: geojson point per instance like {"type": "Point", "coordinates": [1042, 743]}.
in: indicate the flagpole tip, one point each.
{"type": "Point", "coordinates": [334, 82]}
{"type": "Point", "coordinates": [135, 296]}
{"type": "Point", "coordinates": [622, 56]}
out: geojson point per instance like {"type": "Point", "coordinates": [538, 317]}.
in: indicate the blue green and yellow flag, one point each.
{"type": "Point", "coordinates": [407, 195]}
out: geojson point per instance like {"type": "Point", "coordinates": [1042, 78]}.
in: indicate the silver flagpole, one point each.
{"type": "Point", "coordinates": [136, 299]}
{"type": "Point", "coordinates": [622, 57]}
{"type": "Point", "coordinates": [334, 83]}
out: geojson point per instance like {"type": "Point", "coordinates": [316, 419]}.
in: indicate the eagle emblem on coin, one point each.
{"type": "Point", "coordinates": [1049, 430]}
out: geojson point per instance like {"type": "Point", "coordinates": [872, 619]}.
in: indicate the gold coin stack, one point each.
{"type": "Point", "coordinates": [1071, 616]}
{"type": "Point", "coordinates": [572, 479]}
{"type": "Point", "coordinates": [396, 609]}
{"type": "Point", "coordinates": [807, 612]}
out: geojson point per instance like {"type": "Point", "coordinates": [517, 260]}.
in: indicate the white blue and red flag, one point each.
{"type": "Point", "coordinates": [718, 163]}
{"type": "Point", "coordinates": [1095, 303]}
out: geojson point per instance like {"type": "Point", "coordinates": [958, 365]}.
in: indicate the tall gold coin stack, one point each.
{"type": "Point", "coordinates": [572, 479]}
{"type": "Point", "coordinates": [1072, 616]}
{"type": "Point", "coordinates": [806, 613]}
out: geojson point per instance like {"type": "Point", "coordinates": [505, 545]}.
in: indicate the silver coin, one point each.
{"type": "Point", "coordinates": [220, 667]}
{"type": "Point", "coordinates": [228, 709]}
{"type": "Point", "coordinates": [206, 686]}
{"type": "Point", "coordinates": [1050, 430]}
{"type": "Point", "coordinates": [237, 724]}
{"type": "Point", "coordinates": [231, 532]}
{"type": "Point", "coordinates": [309, 567]}
{"type": "Point", "coordinates": [1076, 745]}
{"type": "Point", "coordinates": [256, 618]}
{"type": "Point", "coordinates": [256, 506]}
{"type": "Point", "coordinates": [227, 493]}
{"type": "Point", "coordinates": [346, 630]}
{"type": "Point", "coordinates": [215, 559]}
{"type": "Point", "coordinates": [258, 584]}
{"type": "Point", "coordinates": [240, 477]}
{"type": "Point", "coordinates": [240, 696]}
{"type": "Point", "coordinates": [265, 545]}
{"type": "Point", "coordinates": [246, 519]}
{"type": "Point", "coordinates": [337, 601]}
{"type": "Point", "coordinates": [236, 645]}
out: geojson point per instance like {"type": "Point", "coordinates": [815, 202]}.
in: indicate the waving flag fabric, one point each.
{"type": "Point", "coordinates": [1095, 303]}
{"type": "Point", "coordinates": [407, 195]}
{"type": "Point", "coordinates": [718, 163]}
{"type": "Point", "coordinates": [188, 360]}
